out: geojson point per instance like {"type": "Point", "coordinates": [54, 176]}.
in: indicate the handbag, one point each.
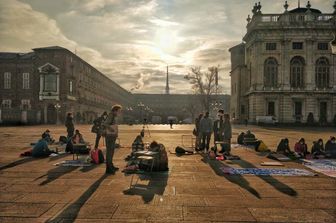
{"type": "Point", "coordinates": [95, 129]}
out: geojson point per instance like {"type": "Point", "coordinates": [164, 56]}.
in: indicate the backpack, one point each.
{"type": "Point", "coordinates": [97, 156]}
{"type": "Point", "coordinates": [63, 139]}
{"type": "Point", "coordinates": [94, 156]}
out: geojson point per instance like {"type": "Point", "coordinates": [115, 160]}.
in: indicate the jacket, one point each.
{"type": "Point", "coordinates": [300, 148]}
{"type": "Point", "coordinates": [227, 130]}
{"type": "Point", "coordinates": [110, 125]}
{"type": "Point", "coordinates": [206, 125]}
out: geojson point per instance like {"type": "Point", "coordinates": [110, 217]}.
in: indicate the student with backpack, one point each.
{"type": "Point", "coordinates": [98, 128]}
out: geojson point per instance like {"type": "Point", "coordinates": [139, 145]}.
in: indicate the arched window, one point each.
{"type": "Point", "coordinates": [322, 73]}
{"type": "Point", "coordinates": [296, 72]}
{"type": "Point", "coordinates": [270, 72]}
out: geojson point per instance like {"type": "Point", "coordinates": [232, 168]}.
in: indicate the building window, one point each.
{"type": "Point", "coordinates": [50, 83]}
{"type": "Point", "coordinates": [296, 72]}
{"type": "Point", "coordinates": [271, 108]}
{"type": "Point", "coordinates": [271, 72]}
{"type": "Point", "coordinates": [7, 103]}
{"type": "Point", "coordinates": [271, 46]}
{"type": "Point", "coordinates": [297, 45]}
{"type": "Point", "coordinates": [25, 80]}
{"type": "Point", "coordinates": [322, 46]}
{"type": "Point", "coordinates": [25, 104]}
{"type": "Point", "coordinates": [298, 108]}
{"type": "Point", "coordinates": [70, 87]}
{"type": "Point", "coordinates": [7, 80]}
{"type": "Point", "coordinates": [242, 109]}
{"type": "Point", "coordinates": [322, 73]}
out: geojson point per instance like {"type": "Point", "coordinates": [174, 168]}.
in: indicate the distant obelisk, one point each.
{"type": "Point", "coordinates": [167, 82]}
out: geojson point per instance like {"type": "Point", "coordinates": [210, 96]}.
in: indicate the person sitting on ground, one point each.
{"type": "Point", "coordinates": [283, 147]}
{"type": "Point", "coordinates": [330, 147]}
{"type": "Point", "coordinates": [78, 138]}
{"type": "Point", "coordinates": [46, 135]}
{"type": "Point", "coordinates": [301, 148]}
{"type": "Point", "coordinates": [318, 149]}
{"type": "Point", "coordinates": [41, 148]}
{"type": "Point", "coordinates": [249, 138]}
{"type": "Point", "coordinates": [240, 139]}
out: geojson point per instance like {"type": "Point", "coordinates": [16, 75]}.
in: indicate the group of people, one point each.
{"type": "Point", "coordinates": [318, 150]}
{"type": "Point", "coordinates": [105, 125]}
{"type": "Point", "coordinates": [221, 128]}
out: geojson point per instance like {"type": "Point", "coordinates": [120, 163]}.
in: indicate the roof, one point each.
{"type": "Point", "coordinates": [304, 10]}
{"type": "Point", "coordinates": [50, 48]}
{"type": "Point", "coordinates": [12, 55]}
{"type": "Point", "coordinates": [240, 45]}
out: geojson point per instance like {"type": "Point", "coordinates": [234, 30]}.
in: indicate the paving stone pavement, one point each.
{"type": "Point", "coordinates": [194, 189]}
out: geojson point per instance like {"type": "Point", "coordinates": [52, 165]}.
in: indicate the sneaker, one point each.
{"type": "Point", "coordinates": [115, 168]}
{"type": "Point", "coordinates": [108, 171]}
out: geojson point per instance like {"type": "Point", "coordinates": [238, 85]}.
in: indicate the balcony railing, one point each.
{"type": "Point", "coordinates": [289, 18]}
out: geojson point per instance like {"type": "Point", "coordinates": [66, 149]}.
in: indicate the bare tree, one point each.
{"type": "Point", "coordinates": [204, 83]}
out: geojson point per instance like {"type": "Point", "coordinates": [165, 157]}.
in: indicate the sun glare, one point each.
{"type": "Point", "coordinates": [166, 40]}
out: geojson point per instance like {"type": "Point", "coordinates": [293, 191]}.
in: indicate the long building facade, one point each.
{"type": "Point", "coordinates": [285, 67]}
{"type": "Point", "coordinates": [42, 86]}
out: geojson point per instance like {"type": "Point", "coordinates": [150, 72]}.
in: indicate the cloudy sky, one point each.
{"type": "Point", "coordinates": [131, 41]}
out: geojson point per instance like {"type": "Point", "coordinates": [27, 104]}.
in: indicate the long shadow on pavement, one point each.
{"type": "Point", "coordinates": [237, 179]}
{"type": "Point", "coordinates": [156, 185]}
{"type": "Point", "coordinates": [71, 212]}
{"type": "Point", "coordinates": [278, 185]}
{"type": "Point", "coordinates": [56, 173]}
{"type": "Point", "coordinates": [19, 162]}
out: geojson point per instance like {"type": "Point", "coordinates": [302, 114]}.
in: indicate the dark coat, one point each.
{"type": "Point", "coordinates": [69, 123]}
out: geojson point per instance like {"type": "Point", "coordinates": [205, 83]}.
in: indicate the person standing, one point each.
{"type": "Point", "coordinates": [98, 127]}
{"type": "Point", "coordinates": [70, 125]}
{"type": "Point", "coordinates": [206, 130]}
{"type": "Point", "coordinates": [197, 132]}
{"type": "Point", "coordinates": [227, 133]}
{"type": "Point", "coordinates": [218, 127]}
{"type": "Point", "coordinates": [111, 134]}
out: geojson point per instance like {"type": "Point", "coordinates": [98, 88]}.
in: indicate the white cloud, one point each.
{"type": "Point", "coordinates": [127, 38]}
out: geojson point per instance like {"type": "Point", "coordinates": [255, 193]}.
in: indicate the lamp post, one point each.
{"type": "Point", "coordinates": [57, 106]}
{"type": "Point", "coordinates": [141, 106]}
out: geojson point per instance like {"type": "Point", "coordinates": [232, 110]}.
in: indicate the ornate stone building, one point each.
{"type": "Point", "coordinates": [285, 67]}
{"type": "Point", "coordinates": [43, 85]}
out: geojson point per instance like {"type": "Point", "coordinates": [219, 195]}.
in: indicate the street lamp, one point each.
{"type": "Point", "coordinates": [141, 106]}
{"type": "Point", "coordinates": [57, 107]}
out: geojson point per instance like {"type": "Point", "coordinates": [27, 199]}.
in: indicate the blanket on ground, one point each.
{"type": "Point", "coordinates": [73, 163]}
{"type": "Point", "coordinates": [325, 166]}
{"type": "Point", "coordinates": [266, 171]}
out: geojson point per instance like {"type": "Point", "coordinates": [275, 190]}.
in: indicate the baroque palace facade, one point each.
{"type": "Point", "coordinates": [44, 85]}
{"type": "Point", "coordinates": [285, 67]}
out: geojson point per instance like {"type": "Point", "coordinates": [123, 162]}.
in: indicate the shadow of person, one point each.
{"type": "Point", "coordinates": [236, 179]}
{"type": "Point", "coordinates": [19, 162]}
{"type": "Point", "coordinates": [73, 209]}
{"type": "Point", "coordinates": [157, 182]}
{"type": "Point", "coordinates": [278, 185]}
{"type": "Point", "coordinates": [55, 173]}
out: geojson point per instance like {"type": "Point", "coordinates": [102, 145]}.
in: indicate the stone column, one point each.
{"type": "Point", "coordinates": [45, 110]}
{"type": "Point", "coordinates": [309, 74]}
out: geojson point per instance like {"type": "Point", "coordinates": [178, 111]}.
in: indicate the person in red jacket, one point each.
{"type": "Point", "coordinates": [301, 148]}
